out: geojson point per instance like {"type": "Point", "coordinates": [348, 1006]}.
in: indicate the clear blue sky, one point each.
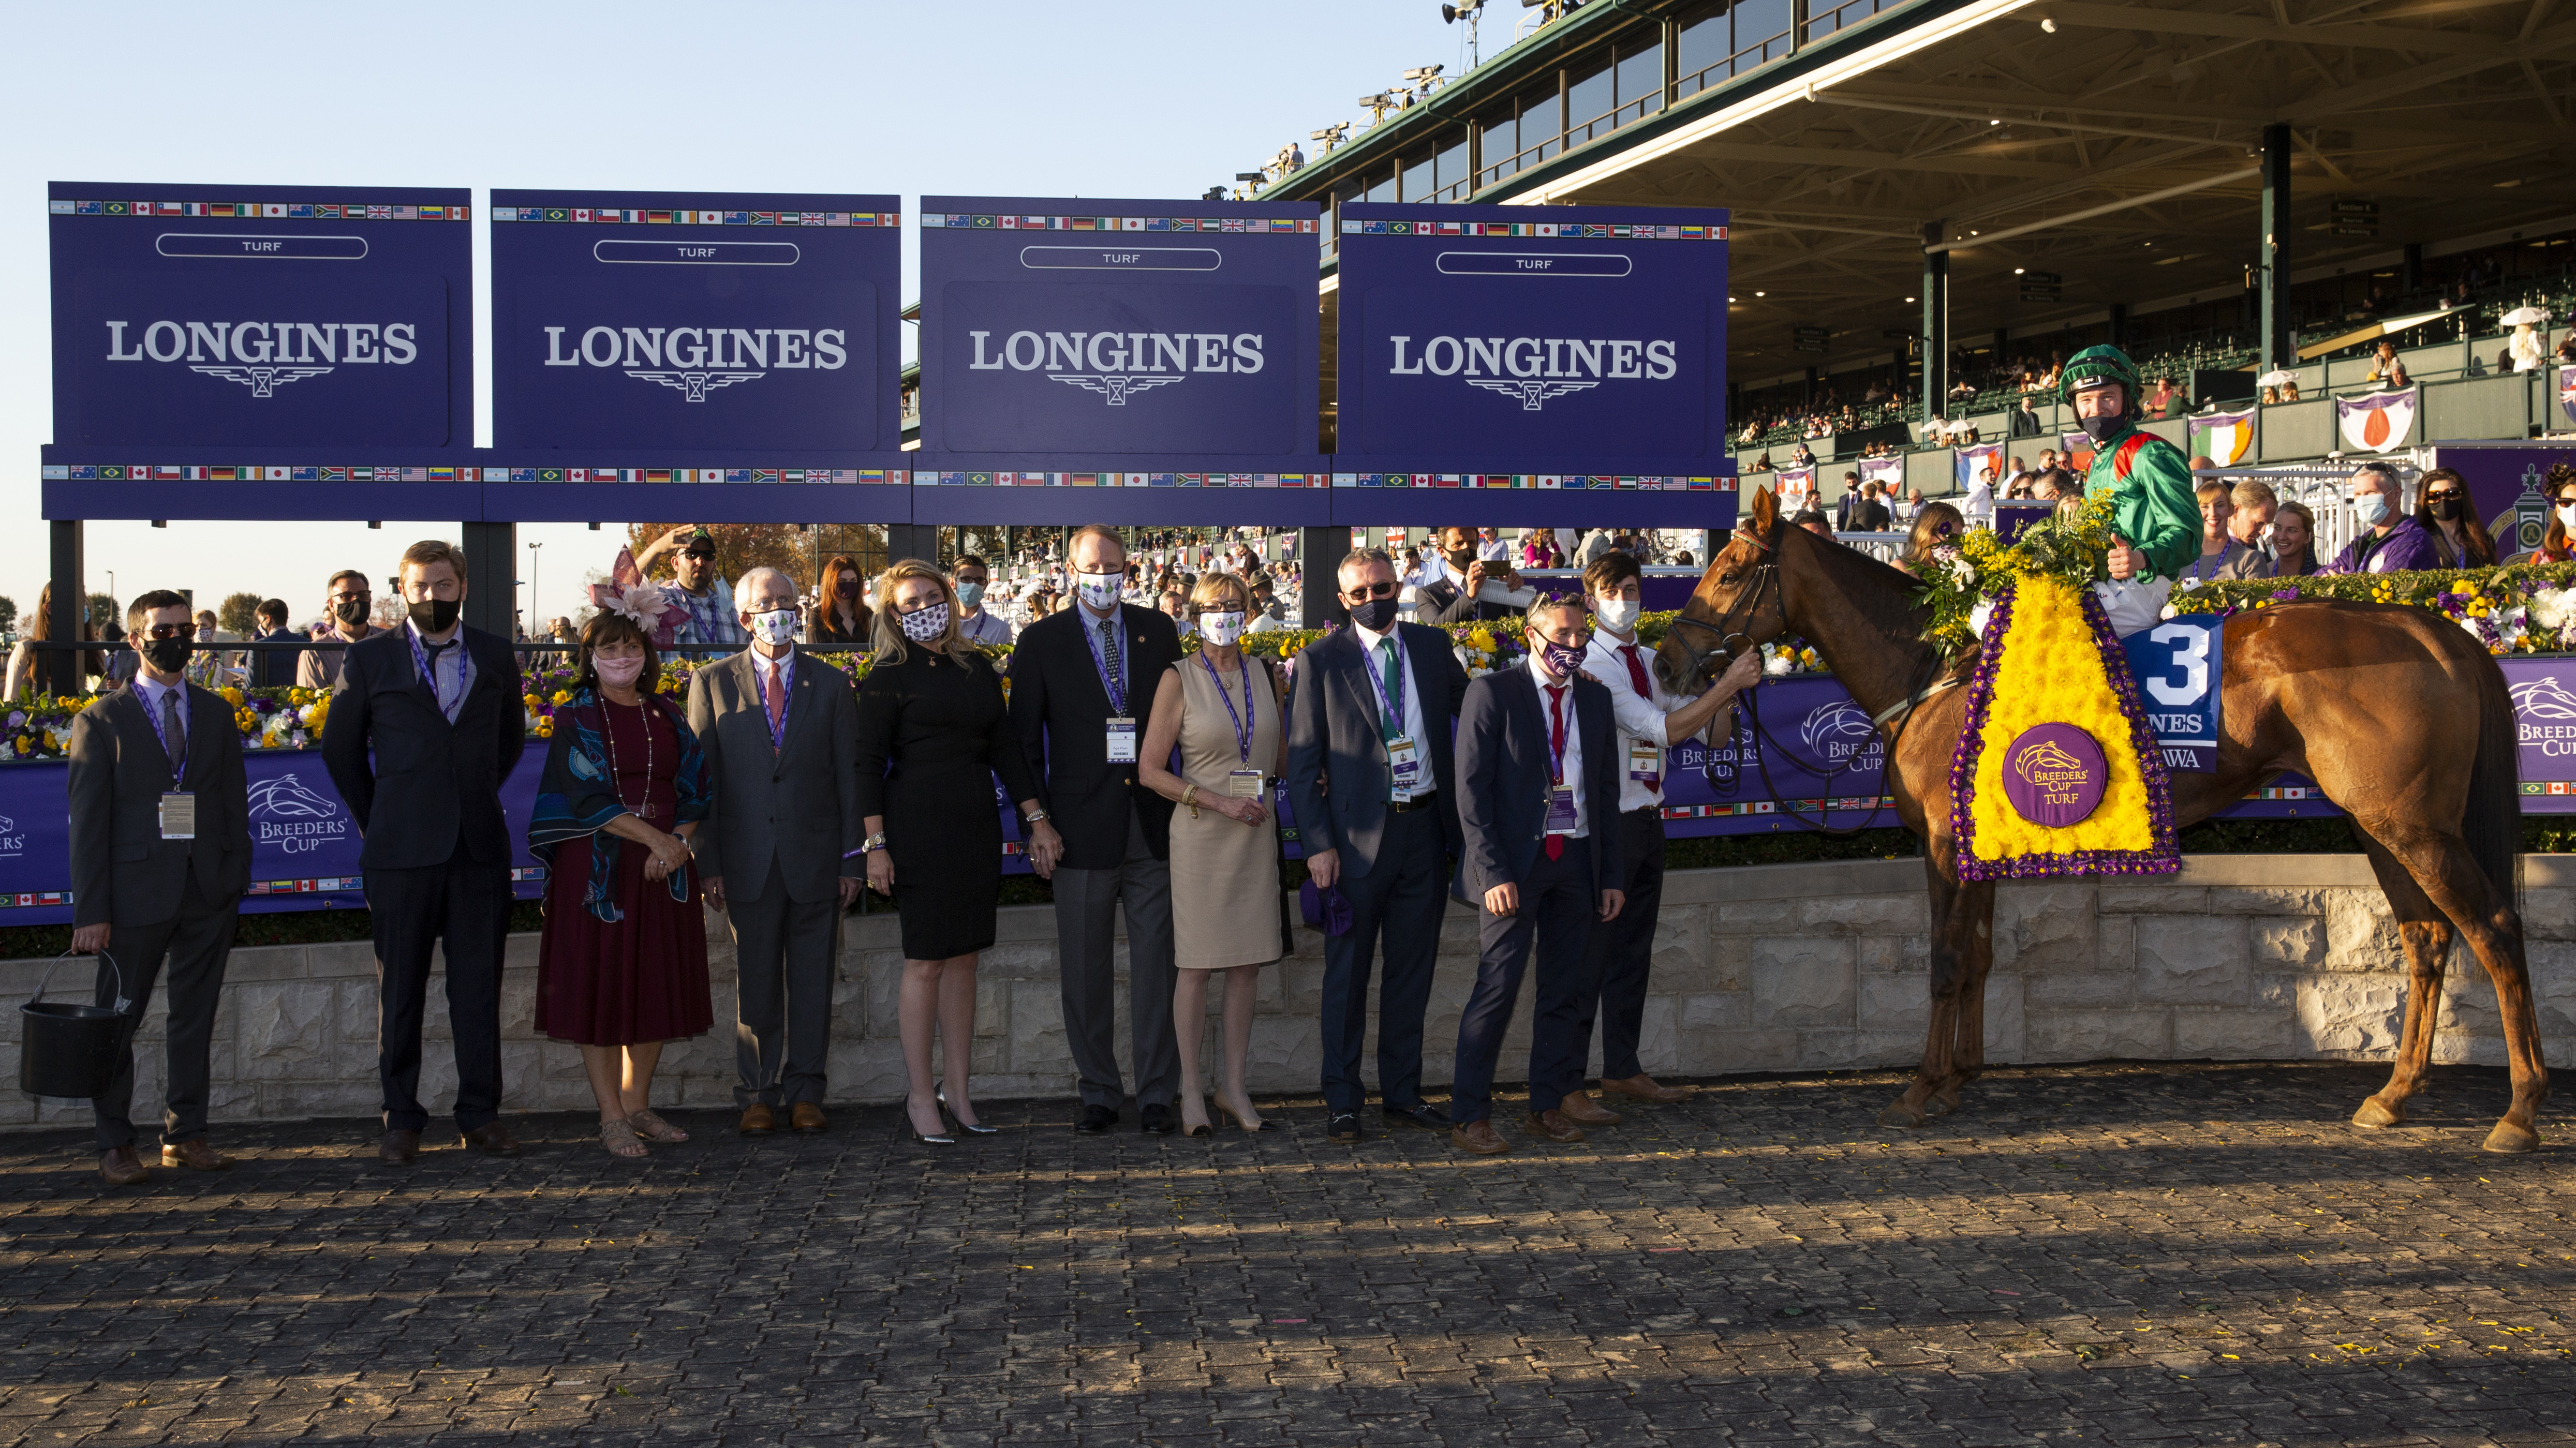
{"type": "Point", "coordinates": [1008, 97]}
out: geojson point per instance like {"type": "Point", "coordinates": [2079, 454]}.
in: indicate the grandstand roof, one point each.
{"type": "Point", "coordinates": [2112, 144]}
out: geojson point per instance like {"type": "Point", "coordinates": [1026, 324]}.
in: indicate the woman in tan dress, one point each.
{"type": "Point", "coordinates": [1221, 708]}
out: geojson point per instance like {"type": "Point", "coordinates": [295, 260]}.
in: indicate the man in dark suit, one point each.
{"type": "Point", "coordinates": [780, 852]}
{"type": "Point", "coordinates": [1452, 579]}
{"type": "Point", "coordinates": [160, 837]}
{"type": "Point", "coordinates": [1082, 681]}
{"type": "Point", "coordinates": [1538, 799]}
{"type": "Point", "coordinates": [423, 727]}
{"type": "Point", "coordinates": [1370, 713]}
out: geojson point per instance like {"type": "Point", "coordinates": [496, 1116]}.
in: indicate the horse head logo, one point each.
{"type": "Point", "coordinates": [1834, 732]}
{"type": "Point", "coordinates": [2046, 755]}
{"type": "Point", "coordinates": [2544, 699]}
{"type": "Point", "coordinates": [283, 798]}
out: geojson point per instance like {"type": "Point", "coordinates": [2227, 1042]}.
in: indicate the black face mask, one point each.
{"type": "Point", "coordinates": [1377, 615]}
{"type": "Point", "coordinates": [848, 587]}
{"type": "Point", "coordinates": [2446, 510]}
{"type": "Point", "coordinates": [434, 615]}
{"type": "Point", "coordinates": [168, 655]}
{"type": "Point", "coordinates": [2103, 429]}
{"type": "Point", "coordinates": [350, 610]}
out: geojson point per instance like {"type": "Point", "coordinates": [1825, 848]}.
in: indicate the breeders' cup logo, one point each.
{"type": "Point", "coordinates": [2545, 716]}
{"type": "Point", "coordinates": [12, 842]}
{"type": "Point", "coordinates": [2047, 766]}
{"type": "Point", "coordinates": [264, 356]}
{"type": "Point", "coordinates": [1532, 370]}
{"type": "Point", "coordinates": [1836, 732]}
{"type": "Point", "coordinates": [695, 361]}
{"type": "Point", "coordinates": [1118, 365]}
{"type": "Point", "coordinates": [295, 819]}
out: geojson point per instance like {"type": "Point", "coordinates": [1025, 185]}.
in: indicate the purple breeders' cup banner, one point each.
{"type": "Point", "coordinates": [2054, 775]}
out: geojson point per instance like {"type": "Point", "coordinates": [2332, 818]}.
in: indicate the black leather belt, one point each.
{"type": "Point", "coordinates": [1407, 806]}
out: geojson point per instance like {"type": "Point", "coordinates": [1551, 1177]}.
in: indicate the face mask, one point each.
{"type": "Point", "coordinates": [848, 587]}
{"type": "Point", "coordinates": [2567, 518]}
{"type": "Point", "coordinates": [1619, 614]}
{"type": "Point", "coordinates": [1462, 556]}
{"type": "Point", "coordinates": [1098, 590]}
{"type": "Point", "coordinates": [1377, 615]}
{"type": "Point", "coordinates": [970, 594]}
{"type": "Point", "coordinates": [2103, 429]}
{"type": "Point", "coordinates": [168, 655]}
{"type": "Point", "coordinates": [434, 615]}
{"type": "Point", "coordinates": [777, 626]}
{"type": "Point", "coordinates": [1561, 659]}
{"type": "Point", "coordinates": [350, 611]}
{"type": "Point", "coordinates": [923, 624]}
{"type": "Point", "coordinates": [618, 673]}
{"type": "Point", "coordinates": [1222, 629]}
{"type": "Point", "coordinates": [2368, 509]}
{"type": "Point", "coordinates": [2446, 510]}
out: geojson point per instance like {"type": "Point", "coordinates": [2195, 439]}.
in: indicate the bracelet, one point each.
{"type": "Point", "coordinates": [1036, 817]}
{"type": "Point", "coordinates": [873, 843]}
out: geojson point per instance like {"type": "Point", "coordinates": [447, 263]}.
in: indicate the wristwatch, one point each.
{"type": "Point", "coordinates": [873, 843]}
{"type": "Point", "coordinates": [1035, 816]}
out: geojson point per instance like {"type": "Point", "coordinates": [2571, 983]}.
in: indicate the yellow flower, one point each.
{"type": "Point", "coordinates": [230, 694]}
{"type": "Point", "coordinates": [563, 696]}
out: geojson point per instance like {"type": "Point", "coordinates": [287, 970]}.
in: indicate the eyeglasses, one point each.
{"type": "Point", "coordinates": [172, 631]}
{"type": "Point", "coordinates": [2445, 493]}
{"type": "Point", "coordinates": [1371, 590]}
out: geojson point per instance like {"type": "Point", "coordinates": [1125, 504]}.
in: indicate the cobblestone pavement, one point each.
{"type": "Point", "coordinates": [2109, 1254]}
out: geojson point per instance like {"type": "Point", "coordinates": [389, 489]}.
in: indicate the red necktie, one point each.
{"type": "Point", "coordinates": [1556, 756]}
{"type": "Point", "coordinates": [1637, 676]}
{"type": "Point", "coordinates": [771, 695]}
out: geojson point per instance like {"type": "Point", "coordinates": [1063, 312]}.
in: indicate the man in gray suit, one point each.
{"type": "Point", "coordinates": [779, 853]}
{"type": "Point", "coordinates": [160, 843]}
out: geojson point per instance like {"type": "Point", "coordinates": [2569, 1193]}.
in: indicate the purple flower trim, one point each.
{"type": "Point", "coordinates": [2161, 857]}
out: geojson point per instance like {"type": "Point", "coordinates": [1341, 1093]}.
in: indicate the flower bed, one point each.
{"type": "Point", "coordinates": [2528, 608]}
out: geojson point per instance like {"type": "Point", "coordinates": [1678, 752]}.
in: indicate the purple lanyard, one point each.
{"type": "Point", "coordinates": [786, 676]}
{"type": "Point", "coordinates": [1557, 733]}
{"type": "Point", "coordinates": [1242, 730]}
{"type": "Point", "coordinates": [420, 662]}
{"type": "Point", "coordinates": [1115, 688]}
{"type": "Point", "coordinates": [152, 716]}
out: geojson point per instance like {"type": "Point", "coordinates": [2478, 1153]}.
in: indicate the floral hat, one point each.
{"type": "Point", "coordinates": [649, 605]}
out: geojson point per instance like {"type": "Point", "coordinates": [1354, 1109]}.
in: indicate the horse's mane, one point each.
{"type": "Point", "coordinates": [1881, 596]}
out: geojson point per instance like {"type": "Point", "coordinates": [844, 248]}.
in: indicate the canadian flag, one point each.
{"type": "Point", "coordinates": [2377, 421]}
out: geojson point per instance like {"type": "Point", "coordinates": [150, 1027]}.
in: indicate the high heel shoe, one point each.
{"type": "Point", "coordinates": [1263, 1124]}
{"type": "Point", "coordinates": [940, 1095]}
{"type": "Point", "coordinates": [942, 1139]}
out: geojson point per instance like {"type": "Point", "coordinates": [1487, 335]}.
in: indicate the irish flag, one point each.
{"type": "Point", "coordinates": [2223, 437]}
{"type": "Point", "coordinates": [2376, 421]}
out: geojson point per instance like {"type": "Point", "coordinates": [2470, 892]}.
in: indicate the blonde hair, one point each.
{"type": "Point", "coordinates": [1216, 588]}
{"type": "Point", "coordinates": [886, 635]}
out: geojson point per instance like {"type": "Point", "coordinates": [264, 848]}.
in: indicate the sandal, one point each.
{"type": "Point", "coordinates": [620, 1139]}
{"type": "Point", "coordinates": [652, 1127]}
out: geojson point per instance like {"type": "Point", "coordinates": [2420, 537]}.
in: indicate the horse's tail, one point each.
{"type": "Point", "coordinates": [2492, 824]}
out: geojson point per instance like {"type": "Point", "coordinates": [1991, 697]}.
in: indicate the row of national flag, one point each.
{"type": "Point", "coordinates": [1254, 225]}
{"type": "Point", "coordinates": [221, 473]}
{"type": "Point", "coordinates": [260, 210]}
{"type": "Point", "coordinates": [1615, 230]}
{"type": "Point", "coordinates": [633, 216]}
{"type": "Point", "coordinates": [1627, 482]}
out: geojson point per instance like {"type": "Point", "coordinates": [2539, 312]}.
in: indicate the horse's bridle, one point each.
{"type": "Point", "coordinates": [1766, 577]}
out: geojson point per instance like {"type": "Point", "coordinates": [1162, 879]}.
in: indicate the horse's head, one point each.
{"type": "Point", "coordinates": [1736, 606]}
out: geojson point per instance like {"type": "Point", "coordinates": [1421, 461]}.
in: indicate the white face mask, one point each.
{"type": "Point", "coordinates": [1618, 614]}
{"type": "Point", "coordinates": [777, 626]}
{"type": "Point", "coordinates": [923, 624]}
{"type": "Point", "coordinates": [2567, 517]}
{"type": "Point", "coordinates": [1221, 629]}
{"type": "Point", "coordinates": [619, 673]}
{"type": "Point", "coordinates": [1098, 590]}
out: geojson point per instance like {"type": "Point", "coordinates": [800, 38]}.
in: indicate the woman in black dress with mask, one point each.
{"type": "Point", "coordinates": [839, 616]}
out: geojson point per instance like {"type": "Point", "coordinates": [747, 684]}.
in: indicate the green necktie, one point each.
{"type": "Point", "coordinates": [1391, 718]}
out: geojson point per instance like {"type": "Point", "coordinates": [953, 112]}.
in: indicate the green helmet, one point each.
{"type": "Point", "coordinates": [2097, 365]}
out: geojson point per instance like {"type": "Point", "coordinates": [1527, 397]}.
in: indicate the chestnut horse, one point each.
{"type": "Point", "coordinates": [2398, 715]}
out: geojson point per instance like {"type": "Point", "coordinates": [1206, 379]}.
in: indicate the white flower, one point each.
{"type": "Point", "coordinates": [2169, 611]}
{"type": "Point", "coordinates": [2554, 608]}
{"type": "Point", "coordinates": [1962, 571]}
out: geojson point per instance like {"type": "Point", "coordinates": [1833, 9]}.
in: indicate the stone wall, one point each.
{"type": "Point", "coordinates": [1773, 968]}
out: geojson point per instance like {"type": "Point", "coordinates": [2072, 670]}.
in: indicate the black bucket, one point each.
{"type": "Point", "coordinates": [67, 1049]}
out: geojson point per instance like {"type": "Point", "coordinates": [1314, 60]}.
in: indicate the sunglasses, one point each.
{"type": "Point", "coordinates": [2445, 493]}
{"type": "Point", "coordinates": [172, 631]}
{"type": "Point", "coordinates": [1371, 590]}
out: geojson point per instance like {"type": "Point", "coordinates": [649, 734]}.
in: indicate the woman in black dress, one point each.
{"type": "Point", "coordinates": [933, 731]}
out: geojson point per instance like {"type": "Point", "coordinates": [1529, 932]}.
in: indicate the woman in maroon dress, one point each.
{"type": "Point", "coordinates": [622, 966]}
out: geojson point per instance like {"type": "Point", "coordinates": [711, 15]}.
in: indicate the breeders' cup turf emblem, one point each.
{"type": "Point", "coordinates": [1116, 389]}
{"type": "Point", "coordinates": [696, 384]}
{"type": "Point", "coordinates": [262, 381]}
{"type": "Point", "coordinates": [283, 798]}
{"type": "Point", "coordinates": [1531, 394]}
{"type": "Point", "coordinates": [2055, 775]}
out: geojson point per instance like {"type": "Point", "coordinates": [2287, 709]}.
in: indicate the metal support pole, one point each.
{"type": "Point", "coordinates": [2277, 347]}
{"type": "Point", "coordinates": [912, 540]}
{"type": "Point", "coordinates": [1936, 321]}
{"type": "Point", "coordinates": [62, 668]}
{"type": "Point", "coordinates": [491, 576]}
{"type": "Point", "coordinates": [1319, 557]}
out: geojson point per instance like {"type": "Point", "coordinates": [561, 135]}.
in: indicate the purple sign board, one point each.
{"type": "Point", "coordinates": [1090, 329]}
{"type": "Point", "coordinates": [248, 315]}
{"type": "Point", "coordinates": [690, 320]}
{"type": "Point", "coordinates": [2508, 484]}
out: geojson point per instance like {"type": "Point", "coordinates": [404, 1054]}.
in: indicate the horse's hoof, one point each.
{"type": "Point", "coordinates": [1897, 1113]}
{"type": "Point", "coordinates": [2511, 1140]}
{"type": "Point", "coordinates": [1943, 1103]}
{"type": "Point", "coordinates": [2376, 1113]}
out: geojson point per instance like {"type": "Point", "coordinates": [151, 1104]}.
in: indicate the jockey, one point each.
{"type": "Point", "coordinates": [2156, 515]}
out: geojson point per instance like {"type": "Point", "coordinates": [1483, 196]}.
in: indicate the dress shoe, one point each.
{"type": "Point", "coordinates": [1095, 1120]}
{"type": "Point", "coordinates": [1155, 1120]}
{"type": "Point", "coordinates": [491, 1139]}
{"type": "Point", "coordinates": [805, 1116]}
{"type": "Point", "coordinates": [118, 1166]}
{"type": "Point", "coordinates": [1553, 1126]}
{"type": "Point", "coordinates": [1344, 1126]}
{"type": "Point", "coordinates": [1478, 1137]}
{"type": "Point", "coordinates": [397, 1147]}
{"type": "Point", "coordinates": [758, 1119]}
{"type": "Point", "coordinates": [1643, 1088]}
{"type": "Point", "coordinates": [1424, 1116]}
{"type": "Point", "coordinates": [940, 1095]}
{"type": "Point", "coordinates": [195, 1155]}
{"type": "Point", "coordinates": [1582, 1110]}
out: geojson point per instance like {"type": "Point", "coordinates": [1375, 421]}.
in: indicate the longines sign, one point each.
{"type": "Point", "coordinates": [1137, 327]}
{"type": "Point", "coordinates": [261, 315]}
{"type": "Point", "coordinates": [686, 320]}
{"type": "Point", "coordinates": [1533, 332]}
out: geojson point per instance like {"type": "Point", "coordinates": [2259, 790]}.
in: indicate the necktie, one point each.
{"type": "Point", "coordinates": [174, 734]}
{"type": "Point", "coordinates": [1390, 724]}
{"type": "Point", "coordinates": [1556, 755]}
{"type": "Point", "coordinates": [1645, 691]}
{"type": "Point", "coordinates": [772, 696]}
{"type": "Point", "coordinates": [1109, 658]}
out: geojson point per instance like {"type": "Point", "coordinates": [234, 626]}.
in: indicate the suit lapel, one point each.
{"type": "Point", "coordinates": [206, 712]}
{"type": "Point", "coordinates": [1353, 670]}
{"type": "Point", "coordinates": [800, 703]}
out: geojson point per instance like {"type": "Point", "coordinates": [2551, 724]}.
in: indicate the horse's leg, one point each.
{"type": "Point", "coordinates": [2426, 936]}
{"type": "Point", "coordinates": [1968, 1051]}
{"type": "Point", "coordinates": [2484, 913]}
{"type": "Point", "coordinates": [1962, 929]}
